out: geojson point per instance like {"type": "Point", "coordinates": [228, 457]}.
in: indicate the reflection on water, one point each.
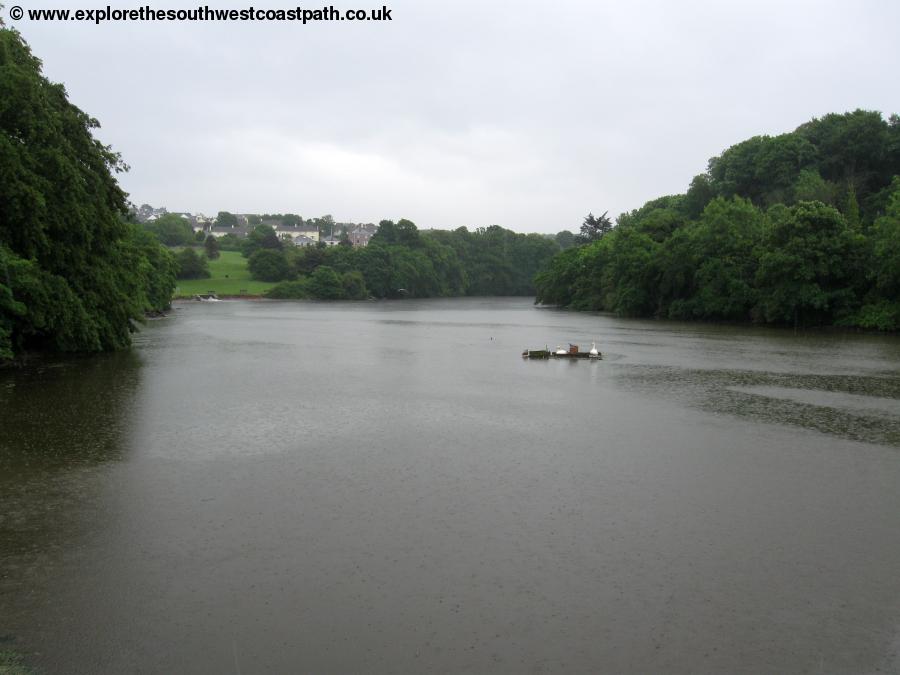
{"type": "Point", "coordinates": [61, 412]}
{"type": "Point", "coordinates": [389, 487]}
{"type": "Point", "coordinates": [62, 421]}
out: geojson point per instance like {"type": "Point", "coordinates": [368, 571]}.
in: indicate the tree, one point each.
{"type": "Point", "coordinates": [72, 276]}
{"type": "Point", "coordinates": [811, 187]}
{"type": "Point", "coordinates": [699, 194]}
{"type": "Point", "coordinates": [556, 282]}
{"type": "Point", "coordinates": [211, 246]}
{"type": "Point", "coordinates": [851, 147]}
{"type": "Point", "coordinates": [851, 208]}
{"type": "Point", "coordinates": [157, 268]}
{"type": "Point", "coordinates": [171, 230]}
{"type": "Point", "coordinates": [402, 233]}
{"type": "Point", "coordinates": [881, 306]}
{"type": "Point", "coordinates": [630, 276]}
{"type": "Point", "coordinates": [229, 242]}
{"type": "Point", "coordinates": [354, 286]}
{"type": "Point", "coordinates": [324, 224]}
{"type": "Point", "coordinates": [226, 219]}
{"type": "Point", "coordinates": [268, 264]}
{"type": "Point", "coordinates": [191, 265]}
{"type": "Point", "coordinates": [808, 267]}
{"type": "Point", "coordinates": [289, 290]}
{"type": "Point", "coordinates": [762, 168]}
{"type": "Point", "coordinates": [565, 239]}
{"type": "Point", "coordinates": [593, 228]}
{"type": "Point", "coordinates": [714, 254]}
{"type": "Point", "coordinates": [724, 245]}
{"type": "Point", "coordinates": [262, 236]}
{"type": "Point", "coordinates": [325, 284]}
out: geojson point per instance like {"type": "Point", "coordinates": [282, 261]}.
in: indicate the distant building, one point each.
{"type": "Point", "coordinates": [292, 231]}
{"type": "Point", "coordinates": [330, 241]}
{"type": "Point", "coordinates": [360, 235]}
{"type": "Point", "coordinates": [147, 214]}
{"type": "Point", "coordinates": [302, 240]}
{"type": "Point", "coordinates": [221, 230]}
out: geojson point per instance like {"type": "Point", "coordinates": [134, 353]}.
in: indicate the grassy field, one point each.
{"type": "Point", "coordinates": [229, 277]}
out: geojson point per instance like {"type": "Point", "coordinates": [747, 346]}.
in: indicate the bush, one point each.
{"type": "Point", "coordinates": [211, 246]}
{"type": "Point", "coordinates": [268, 265]}
{"type": "Point", "coordinates": [230, 242]}
{"type": "Point", "coordinates": [883, 315]}
{"type": "Point", "coordinates": [289, 290]}
{"type": "Point", "coordinates": [191, 265]}
{"type": "Point", "coordinates": [325, 284]}
{"type": "Point", "coordinates": [172, 230]}
{"type": "Point", "coordinates": [354, 286]}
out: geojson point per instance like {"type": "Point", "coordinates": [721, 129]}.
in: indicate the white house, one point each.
{"type": "Point", "coordinates": [293, 231]}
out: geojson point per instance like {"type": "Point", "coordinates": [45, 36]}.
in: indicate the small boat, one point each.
{"type": "Point", "coordinates": [206, 297]}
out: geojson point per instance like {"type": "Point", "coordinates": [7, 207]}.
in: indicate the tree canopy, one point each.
{"type": "Point", "coordinates": [226, 219]}
{"type": "Point", "coordinates": [74, 274]}
{"type": "Point", "coordinates": [171, 230]}
{"type": "Point", "coordinates": [400, 261]}
{"type": "Point", "coordinates": [799, 229]}
{"type": "Point", "coordinates": [593, 228]}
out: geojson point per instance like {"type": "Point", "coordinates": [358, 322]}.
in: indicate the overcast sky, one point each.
{"type": "Point", "coordinates": [522, 114]}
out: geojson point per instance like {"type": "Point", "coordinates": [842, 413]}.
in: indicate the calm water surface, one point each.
{"type": "Point", "coordinates": [388, 487]}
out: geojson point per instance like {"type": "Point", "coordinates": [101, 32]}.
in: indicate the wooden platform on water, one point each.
{"type": "Point", "coordinates": [545, 354]}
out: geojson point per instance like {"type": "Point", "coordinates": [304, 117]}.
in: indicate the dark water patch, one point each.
{"type": "Point", "coordinates": [860, 408]}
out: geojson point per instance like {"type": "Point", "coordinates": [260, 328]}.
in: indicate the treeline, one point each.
{"type": "Point", "coordinates": [74, 274]}
{"type": "Point", "coordinates": [799, 229]}
{"type": "Point", "coordinates": [401, 261]}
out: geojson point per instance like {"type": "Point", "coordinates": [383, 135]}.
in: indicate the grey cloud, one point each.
{"type": "Point", "coordinates": [525, 114]}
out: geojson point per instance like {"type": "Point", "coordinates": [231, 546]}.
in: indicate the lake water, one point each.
{"type": "Point", "coordinates": [262, 487]}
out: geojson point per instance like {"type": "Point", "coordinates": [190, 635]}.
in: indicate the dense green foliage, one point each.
{"type": "Point", "coordinates": [401, 261]}
{"type": "Point", "coordinates": [268, 264]}
{"type": "Point", "coordinates": [565, 239]}
{"type": "Point", "coordinates": [230, 242]}
{"type": "Point", "coordinates": [74, 275]}
{"type": "Point", "coordinates": [172, 230]}
{"type": "Point", "coordinates": [799, 229]}
{"type": "Point", "coordinates": [211, 247]}
{"type": "Point", "coordinates": [191, 265]}
{"type": "Point", "coordinates": [226, 219]}
{"type": "Point", "coordinates": [260, 237]}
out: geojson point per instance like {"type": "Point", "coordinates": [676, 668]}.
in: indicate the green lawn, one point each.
{"type": "Point", "coordinates": [229, 277]}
